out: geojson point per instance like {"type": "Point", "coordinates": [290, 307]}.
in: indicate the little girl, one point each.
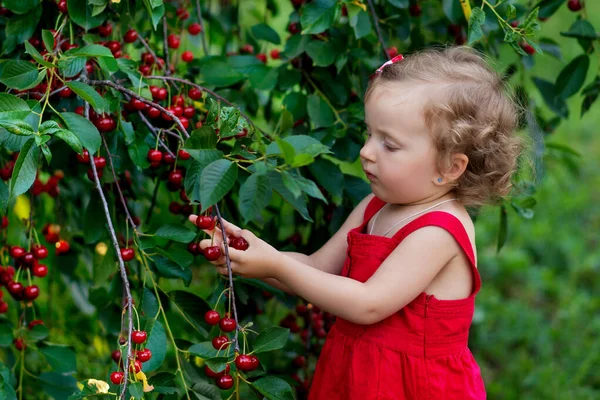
{"type": "Point", "coordinates": [401, 273]}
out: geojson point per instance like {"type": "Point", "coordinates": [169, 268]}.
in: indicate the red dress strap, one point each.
{"type": "Point", "coordinates": [451, 224]}
{"type": "Point", "coordinates": [374, 205]}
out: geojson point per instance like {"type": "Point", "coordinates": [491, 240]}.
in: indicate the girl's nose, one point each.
{"type": "Point", "coordinates": [367, 153]}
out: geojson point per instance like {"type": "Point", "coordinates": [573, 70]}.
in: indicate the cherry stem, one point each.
{"type": "Point", "coordinates": [215, 95]}
{"type": "Point", "coordinates": [201, 22]}
{"type": "Point", "coordinates": [378, 30]}
{"type": "Point", "coordinates": [156, 132]}
{"type": "Point", "coordinates": [142, 99]}
{"type": "Point", "coordinates": [232, 293]}
{"type": "Point", "coordinates": [113, 236]}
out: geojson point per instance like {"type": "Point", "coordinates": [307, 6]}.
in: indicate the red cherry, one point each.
{"type": "Point", "coordinates": [40, 270]}
{"type": "Point", "coordinates": [187, 56]}
{"type": "Point", "coordinates": [84, 158]}
{"type": "Point", "coordinates": [275, 54]}
{"type": "Point", "coordinates": [117, 377]}
{"type": "Point", "coordinates": [155, 155]}
{"type": "Point", "coordinates": [189, 112]}
{"type": "Point", "coordinates": [168, 159]}
{"type": "Point", "coordinates": [294, 28]}
{"type": "Point", "coordinates": [116, 356]}
{"type": "Point", "coordinates": [212, 317]}
{"type": "Point", "coordinates": [239, 243]}
{"type": "Point", "coordinates": [212, 374]}
{"type": "Point", "coordinates": [62, 246]}
{"type": "Point", "coordinates": [299, 361]}
{"type": "Point", "coordinates": [106, 124]}
{"type": "Point", "coordinates": [4, 222]}
{"type": "Point", "coordinates": [135, 366]}
{"type": "Point", "coordinates": [3, 307]}
{"type": "Point", "coordinates": [574, 5]}
{"type": "Point", "coordinates": [153, 112]}
{"type": "Point", "coordinates": [220, 342]}
{"type": "Point", "coordinates": [34, 323]}
{"type": "Point", "coordinates": [193, 248]}
{"type": "Point", "coordinates": [173, 41]}
{"type": "Point", "coordinates": [17, 252]}
{"type": "Point", "coordinates": [178, 100]}
{"type": "Point", "coordinates": [161, 94]}
{"type": "Point", "coordinates": [105, 29]}
{"type": "Point", "coordinates": [247, 48]}
{"type": "Point", "coordinates": [244, 362]}
{"type": "Point", "coordinates": [194, 93]}
{"type": "Point", "coordinates": [262, 57]}
{"type": "Point", "coordinates": [183, 155]}
{"type": "Point", "coordinates": [127, 254]}
{"type": "Point", "coordinates": [194, 28]}
{"type": "Point", "coordinates": [527, 48]}
{"type": "Point", "coordinates": [227, 324]}
{"type": "Point", "coordinates": [205, 222]}
{"type": "Point", "coordinates": [392, 52]}
{"type": "Point", "coordinates": [131, 36]}
{"type": "Point", "coordinates": [40, 252]}
{"type": "Point", "coordinates": [31, 292]}
{"type": "Point", "coordinates": [144, 355]}
{"type": "Point", "coordinates": [175, 207]}
{"type": "Point", "coordinates": [177, 110]}
{"type": "Point", "coordinates": [138, 337]}
{"type": "Point", "coordinates": [27, 259]}
{"type": "Point", "coordinates": [212, 253]}
{"type": "Point", "coordinates": [137, 105]}
{"type": "Point", "coordinates": [62, 6]}
{"type": "Point", "coordinates": [225, 382]}
{"type": "Point", "coordinates": [15, 289]}
{"type": "Point", "coordinates": [65, 93]}
{"type": "Point", "coordinates": [415, 10]}
{"type": "Point", "coordinates": [20, 344]}
{"type": "Point", "coordinates": [113, 46]}
{"type": "Point", "coordinates": [175, 178]}
{"type": "Point", "coordinates": [182, 13]}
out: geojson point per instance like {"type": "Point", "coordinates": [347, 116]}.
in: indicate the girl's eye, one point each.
{"type": "Point", "coordinates": [388, 147]}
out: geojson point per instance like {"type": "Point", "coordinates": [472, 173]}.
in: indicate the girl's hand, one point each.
{"type": "Point", "coordinates": [259, 260]}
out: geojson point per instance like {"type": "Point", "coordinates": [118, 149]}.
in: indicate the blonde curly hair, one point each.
{"type": "Point", "coordinates": [477, 116]}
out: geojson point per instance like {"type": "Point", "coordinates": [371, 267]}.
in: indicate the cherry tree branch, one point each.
{"type": "Point", "coordinates": [142, 99]}
{"type": "Point", "coordinates": [232, 292]}
{"type": "Point", "coordinates": [113, 237]}
{"type": "Point", "coordinates": [203, 31]}
{"type": "Point", "coordinates": [223, 99]}
{"type": "Point", "coordinates": [149, 49]}
{"type": "Point", "coordinates": [155, 132]}
{"type": "Point", "coordinates": [378, 30]}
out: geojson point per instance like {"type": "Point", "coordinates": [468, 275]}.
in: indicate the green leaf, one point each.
{"type": "Point", "coordinates": [6, 335]}
{"type": "Point", "coordinates": [80, 12]}
{"type": "Point", "coordinates": [319, 15]}
{"type": "Point", "coordinates": [156, 11]}
{"type": "Point", "coordinates": [38, 332]}
{"type": "Point", "coordinates": [20, 28]}
{"type": "Point", "coordinates": [87, 93]}
{"type": "Point", "coordinates": [170, 269]}
{"type": "Point", "coordinates": [502, 229]}
{"type": "Point", "coordinates": [265, 32]}
{"type": "Point", "coordinates": [299, 203]}
{"type": "Point", "coordinates": [272, 338]}
{"type": "Point", "coordinates": [310, 188]}
{"type": "Point", "coordinates": [453, 11]}
{"type": "Point", "coordinates": [255, 194]}
{"type": "Point", "coordinates": [29, 49]}
{"type": "Point", "coordinates": [263, 78]}
{"type": "Point", "coordinates": [328, 175]}
{"type": "Point", "coordinates": [295, 102]}
{"type": "Point", "coordinates": [217, 364]}
{"type": "Point", "coordinates": [48, 39]}
{"type": "Point", "coordinates": [91, 50]}
{"type": "Point", "coordinates": [203, 138]}
{"type": "Point", "coordinates": [572, 77]}
{"type": "Point", "coordinates": [205, 157]}
{"type": "Point", "coordinates": [138, 152]}
{"type": "Point", "coordinates": [71, 66]}
{"type": "Point", "coordinates": [204, 350]}
{"type": "Point", "coordinates": [291, 184]}
{"type": "Point", "coordinates": [182, 258]}
{"type": "Point", "coordinates": [548, 7]}
{"type": "Point", "coordinates": [554, 102]}
{"type": "Point", "coordinates": [69, 138]}
{"type": "Point", "coordinates": [58, 385]}
{"type": "Point", "coordinates": [359, 21]}
{"type": "Point", "coordinates": [149, 304]}
{"type": "Point", "coordinates": [216, 71]}
{"type": "Point", "coordinates": [176, 232]}
{"type": "Point", "coordinates": [12, 107]}
{"type": "Point", "coordinates": [136, 389]}
{"type": "Point", "coordinates": [319, 112]}
{"type": "Point", "coordinates": [86, 131]}
{"type": "Point", "coordinates": [475, 22]}
{"type": "Point", "coordinates": [322, 53]}
{"type": "Point", "coordinates": [581, 29]}
{"type": "Point", "coordinates": [216, 181]}
{"type": "Point", "coordinates": [295, 46]}
{"type": "Point", "coordinates": [590, 93]}
{"type": "Point", "coordinates": [274, 388]}
{"type": "Point", "coordinates": [192, 307]}
{"type": "Point", "coordinates": [21, 6]}
{"type": "Point", "coordinates": [61, 358]}
{"type": "Point", "coordinates": [301, 144]}
{"type": "Point", "coordinates": [19, 75]}
{"type": "Point", "coordinates": [157, 344]}
{"type": "Point", "coordinates": [25, 169]}
{"type": "Point", "coordinates": [17, 127]}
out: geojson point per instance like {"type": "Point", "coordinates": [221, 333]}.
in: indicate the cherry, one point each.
{"type": "Point", "coordinates": [299, 361]}
{"type": "Point", "coordinates": [113, 46]}
{"type": "Point", "coordinates": [177, 110]}
{"type": "Point", "coordinates": [84, 157]}
{"type": "Point", "coordinates": [90, 175]}
{"type": "Point", "coordinates": [574, 5]}
{"type": "Point", "coordinates": [205, 222]}
{"type": "Point", "coordinates": [27, 258]}
{"type": "Point", "coordinates": [189, 112]}
{"type": "Point", "coordinates": [212, 253]}
{"type": "Point", "coordinates": [239, 243]}
{"type": "Point", "coordinates": [187, 56]}
{"type": "Point", "coordinates": [173, 41]}
{"type": "Point", "coordinates": [137, 105]}
{"type": "Point", "coordinates": [15, 289]}
{"type": "Point", "coordinates": [116, 356]}
{"type": "Point", "coordinates": [144, 355]}
{"type": "Point", "coordinates": [255, 362]}
{"type": "Point", "coordinates": [117, 377]}
{"type": "Point", "coordinates": [20, 344]}
{"type": "Point", "coordinates": [4, 222]}
{"type": "Point", "coordinates": [224, 382]}
{"type": "Point", "coordinates": [34, 323]}
{"type": "Point", "coordinates": [194, 28]}
{"type": "Point", "coordinates": [3, 307]}
{"type": "Point", "coordinates": [392, 51]}
{"type": "Point", "coordinates": [138, 337]}
{"type": "Point", "coordinates": [183, 14]}
{"type": "Point", "coordinates": [105, 29]}
{"type": "Point", "coordinates": [527, 48]}
{"type": "Point", "coordinates": [40, 252]}
{"type": "Point", "coordinates": [168, 159]}
{"type": "Point", "coordinates": [153, 112]}
{"type": "Point", "coordinates": [155, 155]}
{"type": "Point", "coordinates": [175, 207]}
{"type": "Point", "coordinates": [220, 342]}
{"type": "Point", "coordinates": [106, 124]}
{"type": "Point", "coordinates": [275, 54]}
{"type": "Point", "coordinates": [40, 270]}
{"type": "Point", "coordinates": [175, 177]}
{"type": "Point", "coordinates": [161, 94]}
{"type": "Point", "coordinates": [212, 317]}
{"type": "Point", "coordinates": [227, 324]}
{"type": "Point", "coordinates": [212, 374]}
{"type": "Point", "coordinates": [262, 57]}
{"type": "Point", "coordinates": [127, 254]}
{"type": "Point", "coordinates": [131, 36]}
{"type": "Point", "coordinates": [100, 162]}
{"type": "Point", "coordinates": [244, 362]}
{"type": "Point", "coordinates": [31, 292]}
{"type": "Point", "coordinates": [178, 100]}
{"type": "Point", "coordinates": [294, 28]}
{"type": "Point", "coordinates": [183, 155]}
{"type": "Point", "coordinates": [65, 93]}
{"type": "Point", "coordinates": [247, 48]}
{"type": "Point", "coordinates": [193, 248]}
{"type": "Point", "coordinates": [415, 10]}
{"type": "Point", "coordinates": [17, 252]}
{"type": "Point", "coordinates": [195, 93]}
{"type": "Point", "coordinates": [62, 6]}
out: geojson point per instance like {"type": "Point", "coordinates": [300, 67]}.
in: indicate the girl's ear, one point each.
{"type": "Point", "coordinates": [457, 168]}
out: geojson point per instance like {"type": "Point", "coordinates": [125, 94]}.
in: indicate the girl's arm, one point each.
{"type": "Point", "coordinates": [303, 258]}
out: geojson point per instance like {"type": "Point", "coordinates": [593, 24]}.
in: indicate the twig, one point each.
{"type": "Point", "coordinates": [376, 19]}
{"type": "Point", "coordinates": [113, 236]}
{"type": "Point", "coordinates": [166, 47]}
{"type": "Point", "coordinates": [143, 100]}
{"type": "Point", "coordinates": [203, 31]}
{"type": "Point", "coordinates": [149, 215]}
{"type": "Point", "coordinates": [149, 49]}
{"type": "Point", "coordinates": [223, 99]}
{"type": "Point", "coordinates": [155, 132]}
{"type": "Point", "coordinates": [231, 293]}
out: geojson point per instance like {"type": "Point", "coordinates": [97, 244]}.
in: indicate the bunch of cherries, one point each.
{"type": "Point", "coordinates": [141, 356]}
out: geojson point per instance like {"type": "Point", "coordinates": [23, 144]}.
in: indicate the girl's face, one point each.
{"type": "Point", "coordinates": [399, 157]}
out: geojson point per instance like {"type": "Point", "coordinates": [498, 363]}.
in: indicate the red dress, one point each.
{"type": "Point", "coordinates": [418, 353]}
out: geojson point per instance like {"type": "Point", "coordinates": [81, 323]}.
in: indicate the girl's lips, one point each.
{"type": "Point", "coordinates": [370, 176]}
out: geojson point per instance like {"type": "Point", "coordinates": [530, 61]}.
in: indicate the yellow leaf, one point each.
{"type": "Point", "coordinates": [199, 361]}
{"type": "Point", "coordinates": [141, 376]}
{"type": "Point", "coordinates": [466, 8]}
{"type": "Point", "coordinates": [200, 105]}
{"type": "Point", "coordinates": [360, 4]}
{"type": "Point", "coordinates": [100, 386]}
{"type": "Point", "coordinates": [22, 207]}
{"type": "Point", "coordinates": [115, 1]}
